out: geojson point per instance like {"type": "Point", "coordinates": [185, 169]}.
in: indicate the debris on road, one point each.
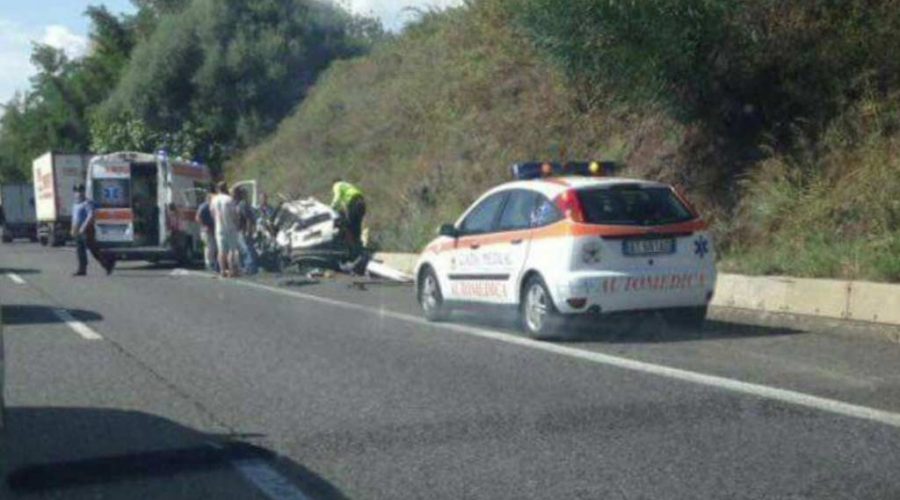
{"type": "Point", "coordinates": [298, 282]}
{"type": "Point", "coordinates": [384, 271]}
{"type": "Point", "coordinates": [363, 284]}
{"type": "Point", "coordinates": [319, 273]}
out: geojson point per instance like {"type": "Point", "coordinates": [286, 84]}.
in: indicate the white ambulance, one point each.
{"type": "Point", "coordinates": [145, 205]}
{"type": "Point", "coordinates": [567, 240]}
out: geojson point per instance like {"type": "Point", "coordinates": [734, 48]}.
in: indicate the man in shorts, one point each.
{"type": "Point", "coordinates": [208, 235]}
{"type": "Point", "coordinates": [225, 216]}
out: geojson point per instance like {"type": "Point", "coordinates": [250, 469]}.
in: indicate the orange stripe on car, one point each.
{"type": "Point", "coordinates": [606, 231]}
{"type": "Point", "coordinates": [565, 229]}
{"type": "Point", "coordinates": [196, 173]}
{"type": "Point", "coordinates": [123, 214]}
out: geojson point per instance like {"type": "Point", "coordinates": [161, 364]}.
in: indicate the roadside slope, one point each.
{"type": "Point", "coordinates": [433, 117]}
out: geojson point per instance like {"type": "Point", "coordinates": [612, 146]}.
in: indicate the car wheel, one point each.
{"type": "Point", "coordinates": [539, 316]}
{"type": "Point", "coordinates": [430, 297]}
{"type": "Point", "coordinates": [687, 317]}
{"type": "Point", "coordinates": [44, 241]}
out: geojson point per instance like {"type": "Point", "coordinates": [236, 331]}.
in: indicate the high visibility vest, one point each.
{"type": "Point", "coordinates": [344, 193]}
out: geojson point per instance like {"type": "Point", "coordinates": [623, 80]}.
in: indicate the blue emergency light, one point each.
{"type": "Point", "coordinates": [537, 169]}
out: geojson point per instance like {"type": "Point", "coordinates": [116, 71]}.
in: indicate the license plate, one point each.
{"type": "Point", "coordinates": [113, 229]}
{"type": "Point", "coordinates": [113, 232]}
{"type": "Point", "coordinates": [655, 246]}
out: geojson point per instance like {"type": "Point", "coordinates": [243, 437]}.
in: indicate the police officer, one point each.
{"type": "Point", "coordinates": [83, 233]}
{"type": "Point", "coordinates": [349, 201]}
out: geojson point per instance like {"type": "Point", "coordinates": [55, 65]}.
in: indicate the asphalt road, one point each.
{"type": "Point", "coordinates": [166, 384]}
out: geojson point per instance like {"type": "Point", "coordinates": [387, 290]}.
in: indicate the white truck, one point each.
{"type": "Point", "coordinates": [17, 212]}
{"type": "Point", "coordinates": [55, 178]}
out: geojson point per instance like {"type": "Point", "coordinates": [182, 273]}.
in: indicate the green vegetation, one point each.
{"type": "Point", "coordinates": [429, 120]}
{"type": "Point", "coordinates": [833, 212]}
{"type": "Point", "coordinates": [218, 75]}
{"type": "Point", "coordinates": [54, 113]}
{"type": "Point", "coordinates": [779, 118]}
{"type": "Point", "coordinates": [202, 78]}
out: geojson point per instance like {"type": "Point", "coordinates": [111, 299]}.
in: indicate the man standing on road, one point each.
{"type": "Point", "coordinates": [208, 234]}
{"type": "Point", "coordinates": [246, 230]}
{"type": "Point", "coordinates": [83, 234]}
{"type": "Point", "coordinates": [224, 211]}
{"type": "Point", "coordinates": [349, 201]}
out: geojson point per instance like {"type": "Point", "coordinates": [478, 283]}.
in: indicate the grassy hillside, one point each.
{"type": "Point", "coordinates": [797, 180]}
{"type": "Point", "coordinates": [431, 119]}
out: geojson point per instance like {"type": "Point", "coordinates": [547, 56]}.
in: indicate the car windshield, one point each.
{"type": "Point", "coordinates": [633, 205]}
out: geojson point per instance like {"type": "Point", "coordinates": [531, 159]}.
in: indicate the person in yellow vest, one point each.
{"type": "Point", "coordinates": [349, 201]}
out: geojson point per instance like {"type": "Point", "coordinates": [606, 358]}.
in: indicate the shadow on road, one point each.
{"type": "Point", "coordinates": [90, 452]}
{"type": "Point", "coordinates": [35, 315]}
{"type": "Point", "coordinates": [14, 270]}
{"type": "Point", "coordinates": [629, 329]}
{"type": "Point", "coordinates": [156, 266]}
{"type": "Point", "coordinates": [655, 329]}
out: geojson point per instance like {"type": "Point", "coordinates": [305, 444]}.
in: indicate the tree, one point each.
{"type": "Point", "coordinates": [221, 74]}
{"type": "Point", "coordinates": [54, 112]}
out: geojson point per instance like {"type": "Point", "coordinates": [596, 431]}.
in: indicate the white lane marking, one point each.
{"type": "Point", "coordinates": [80, 328]}
{"type": "Point", "coordinates": [15, 278]}
{"type": "Point", "coordinates": [268, 480]}
{"type": "Point", "coordinates": [758, 390]}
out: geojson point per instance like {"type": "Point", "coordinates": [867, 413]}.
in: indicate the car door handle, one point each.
{"type": "Point", "coordinates": [475, 246]}
{"type": "Point", "coordinates": [516, 242]}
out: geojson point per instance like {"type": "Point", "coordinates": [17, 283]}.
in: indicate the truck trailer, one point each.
{"type": "Point", "coordinates": [55, 178]}
{"type": "Point", "coordinates": [17, 212]}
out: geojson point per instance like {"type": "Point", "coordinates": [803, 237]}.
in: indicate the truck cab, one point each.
{"type": "Point", "coordinates": [145, 205]}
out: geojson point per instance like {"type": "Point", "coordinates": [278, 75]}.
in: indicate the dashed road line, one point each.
{"type": "Point", "coordinates": [15, 278]}
{"type": "Point", "coordinates": [80, 328]}
{"type": "Point", "coordinates": [758, 390]}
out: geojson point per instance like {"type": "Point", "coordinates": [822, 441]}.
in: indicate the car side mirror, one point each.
{"type": "Point", "coordinates": [448, 230]}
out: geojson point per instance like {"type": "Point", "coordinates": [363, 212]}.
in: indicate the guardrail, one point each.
{"type": "Point", "coordinates": [831, 299]}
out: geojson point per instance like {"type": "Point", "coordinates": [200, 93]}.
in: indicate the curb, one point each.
{"type": "Point", "coordinates": [876, 304]}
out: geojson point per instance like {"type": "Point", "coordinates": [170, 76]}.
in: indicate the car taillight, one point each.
{"type": "Point", "coordinates": [570, 205]}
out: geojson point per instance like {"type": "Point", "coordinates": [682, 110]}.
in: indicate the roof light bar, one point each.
{"type": "Point", "coordinates": [537, 170]}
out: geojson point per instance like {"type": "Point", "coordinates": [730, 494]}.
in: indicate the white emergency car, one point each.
{"type": "Point", "coordinates": [566, 240]}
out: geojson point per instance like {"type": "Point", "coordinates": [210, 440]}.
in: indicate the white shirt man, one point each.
{"type": "Point", "coordinates": [225, 214]}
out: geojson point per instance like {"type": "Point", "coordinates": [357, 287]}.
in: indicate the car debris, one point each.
{"type": "Point", "coordinates": [384, 271]}
{"type": "Point", "coordinates": [308, 234]}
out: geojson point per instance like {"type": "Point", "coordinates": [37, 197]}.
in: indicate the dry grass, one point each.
{"type": "Point", "coordinates": [428, 121]}
{"type": "Point", "coordinates": [431, 119]}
